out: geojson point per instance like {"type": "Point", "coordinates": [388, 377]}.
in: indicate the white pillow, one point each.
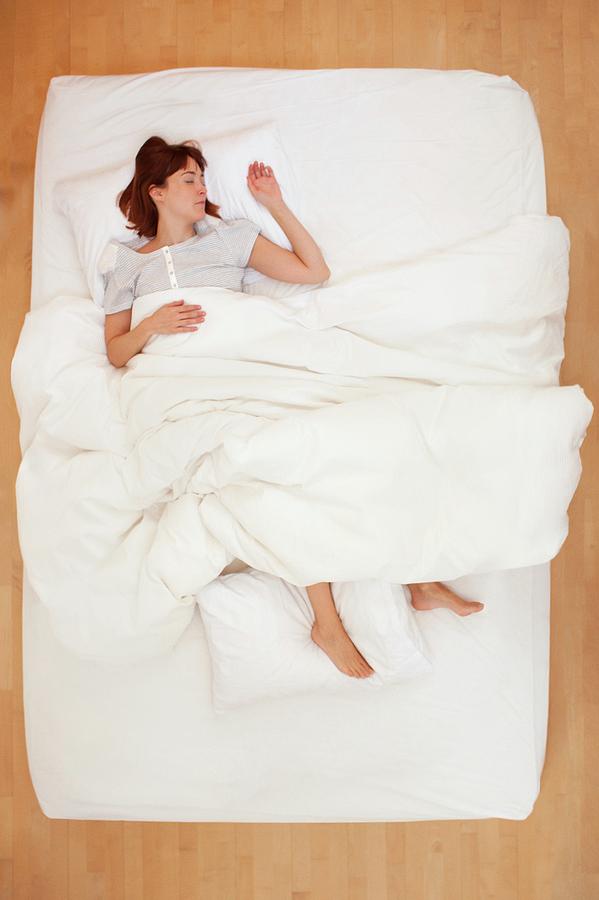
{"type": "Point", "coordinates": [89, 201]}
{"type": "Point", "coordinates": [258, 629]}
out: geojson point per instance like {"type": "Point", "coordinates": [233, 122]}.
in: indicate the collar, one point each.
{"type": "Point", "coordinates": [204, 225]}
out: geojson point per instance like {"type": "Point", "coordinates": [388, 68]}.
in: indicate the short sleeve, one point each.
{"type": "Point", "coordinates": [118, 295]}
{"type": "Point", "coordinates": [240, 236]}
{"type": "Point", "coordinates": [107, 260]}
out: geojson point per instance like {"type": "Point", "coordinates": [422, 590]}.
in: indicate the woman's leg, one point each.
{"type": "Point", "coordinates": [330, 635]}
{"type": "Point", "coordinates": [433, 594]}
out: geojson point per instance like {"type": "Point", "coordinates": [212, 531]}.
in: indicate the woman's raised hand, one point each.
{"type": "Point", "coordinates": [263, 185]}
{"type": "Point", "coordinates": [173, 318]}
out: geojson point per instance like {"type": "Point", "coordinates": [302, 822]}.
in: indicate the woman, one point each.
{"type": "Point", "coordinates": [167, 203]}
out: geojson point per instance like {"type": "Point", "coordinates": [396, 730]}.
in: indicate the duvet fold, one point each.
{"type": "Point", "coordinates": [405, 423]}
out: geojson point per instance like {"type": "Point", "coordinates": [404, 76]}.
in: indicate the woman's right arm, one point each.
{"type": "Point", "coordinates": [172, 318]}
{"type": "Point", "coordinates": [122, 344]}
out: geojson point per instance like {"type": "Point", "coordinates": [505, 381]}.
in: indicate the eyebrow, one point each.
{"type": "Point", "coordinates": [190, 172]}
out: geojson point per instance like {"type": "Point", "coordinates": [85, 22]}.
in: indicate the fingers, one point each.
{"type": "Point", "coordinates": [186, 318]}
{"type": "Point", "coordinates": [259, 168]}
{"type": "Point", "coordinates": [189, 305]}
{"type": "Point", "coordinates": [192, 312]}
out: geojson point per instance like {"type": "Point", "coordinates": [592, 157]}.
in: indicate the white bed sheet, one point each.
{"type": "Point", "coordinates": [392, 161]}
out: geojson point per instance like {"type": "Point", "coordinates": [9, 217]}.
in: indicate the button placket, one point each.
{"type": "Point", "coordinates": [170, 267]}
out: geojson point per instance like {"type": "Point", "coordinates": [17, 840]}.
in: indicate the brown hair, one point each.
{"type": "Point", "coordinates": [154, 162]}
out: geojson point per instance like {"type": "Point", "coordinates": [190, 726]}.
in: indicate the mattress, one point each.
{"type": "Point", "coordinates": [419, 158]}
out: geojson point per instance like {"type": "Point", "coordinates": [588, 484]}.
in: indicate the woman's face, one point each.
{"type": "Point", "coordinates": [185, 194]}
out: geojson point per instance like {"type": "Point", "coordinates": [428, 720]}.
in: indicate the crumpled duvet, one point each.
{"type": "Point", "coordinates": [405, 424]}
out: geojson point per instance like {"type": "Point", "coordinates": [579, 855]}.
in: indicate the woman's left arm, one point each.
{"type": "Point", "coordinates": [304, 245]}
{"type": "Point", "coordinates": [265, 189]}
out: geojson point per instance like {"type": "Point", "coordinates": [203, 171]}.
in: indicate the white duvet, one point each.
{"type": "Point", "coordinates": [405, 424]}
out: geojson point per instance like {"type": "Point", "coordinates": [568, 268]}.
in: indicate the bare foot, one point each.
{"type": "Point", "coordinates": [337, 644]}
{"type": "Point", "coordinates": [432, 595]}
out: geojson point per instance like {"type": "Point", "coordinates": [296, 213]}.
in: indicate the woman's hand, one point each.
{"type": "Point", "coordinates": [263, 185]}
{"type": "Point", "coordinates": [172, 318]}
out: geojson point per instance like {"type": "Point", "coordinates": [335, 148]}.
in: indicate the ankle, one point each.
{"type": "Point", "coordinates": [328, 624]}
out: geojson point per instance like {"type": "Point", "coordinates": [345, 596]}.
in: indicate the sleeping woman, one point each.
{"type": "Point", "coordinates": [166, 202]}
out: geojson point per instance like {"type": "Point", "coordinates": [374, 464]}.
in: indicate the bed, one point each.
{"type": "Point", "coordinates": [430, 157]}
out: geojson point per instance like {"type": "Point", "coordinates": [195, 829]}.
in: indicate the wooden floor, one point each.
{"type": "Point", "coordinates": [552, 49]}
